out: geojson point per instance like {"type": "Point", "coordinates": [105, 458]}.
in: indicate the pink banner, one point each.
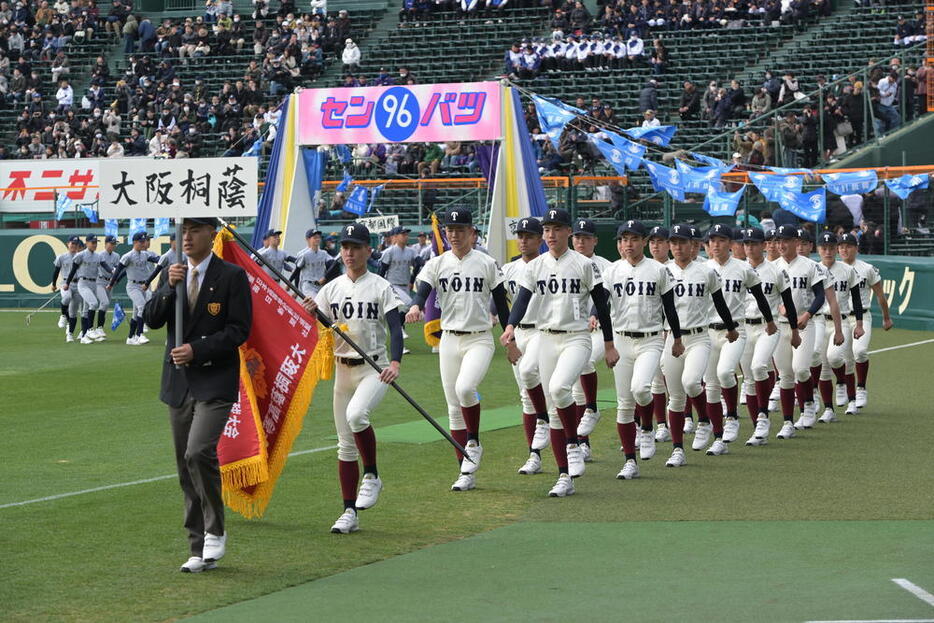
{"type": "Point", "coordinates": [425, 113]}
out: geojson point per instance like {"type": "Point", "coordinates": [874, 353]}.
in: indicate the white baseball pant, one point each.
{"type": "Point", "coordinates": [138, 297]}
{"type": "Point", "coordinates": [724, 359]}
{"type": "Point", "coordinates": [88, 291]}
{"type": "Point", "coordinates": [357, 391]}
{"type": "Point", "coordinates": [820, 329]}
{"type": "Point", "coordinates": [861, 346]}
{"type": "Point", "coordinates": [658, 381]}
{"type": "Point", "coordinates": [526, 370]}
{"type": "Point", "coordinates": [794, 364]}
{"type": "Point", "coordinates": [835, 356]}
{"type": "Point", "coordinates": [756, 361]}
{"type": "Point", "coordinates": [597, 353]}
{"type": "Point", "coordinates": [633, 373]}
{"type": "Point", "coordinates": [464, 360]}
{"type": "Point", "coordinates": [561, 358]}
{"type": "Point", "coordinates": [684, 374]}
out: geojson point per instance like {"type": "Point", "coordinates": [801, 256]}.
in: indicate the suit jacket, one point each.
{"type": "Point", "coordinates": [220, 323]}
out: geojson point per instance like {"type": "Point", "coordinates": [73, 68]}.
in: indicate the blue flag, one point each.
{"type": "Point", "coordinates": [374, 193]}
{"type": "Point", "coordinates": [855, 183]}
{"type": "Point", "coordinates": [160, 226]}
{"type": "Point", "coordinates": [343, 153]}
{"type": "Point", "coordinates": [357, 202]}
{"type": "Point", "coordinates": [90, 211]}
{"type": "Point", "coordinates": [137, 224]}
{"type": "Point", "coordinates": [665, 179]}
{"type": "Point", "coordinates": [661, 135]}
{"type": "Point", "coordinates": [718, 203]}
{"type": "Point", "coordinates": [772, 186]}
{"type": "Point", "coordinates": [697, 179]}
{"type": "Point", "coordinates": [907, 184]}
{"type": "Point", "coordinates": [714, 162]}
{"type": "Point", "coordinates": [345, 183]}
{"type": "Point", "coordinates": [119, 315]}
{"type": "Point", "coordinates": [810, 206]}
{"type": "Point", "coordinates": [786, 171]}
{"type": "Point", "coordinates": [553, 115]}
{"type": "Point", "coordinates": [111, 226]}
{"type": "Point", "coordinates": [255, 148]}
{"type": "Point", "coordinates": [621, 158]}
{"type": "Point", "coordinates": [62, 205]}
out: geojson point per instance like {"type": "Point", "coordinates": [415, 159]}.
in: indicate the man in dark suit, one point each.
{"type": "Point", "coordinates": [200, 377]}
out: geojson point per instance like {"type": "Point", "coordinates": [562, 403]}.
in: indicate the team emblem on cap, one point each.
{"type": "Point", "coordinates": [551, 214]}
{"type": "Point", "coordinates": [453, 216]}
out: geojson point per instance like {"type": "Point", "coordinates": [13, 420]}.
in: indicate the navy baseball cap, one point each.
{"type": "Point", "coordinates": [140, 235]}
{"type": "Point", "coordinates": [786, 232]}
{"type": "Point", "coordinates": [312, 232]}
{"type": "Point", "coordinates": [203, 220]}
{"type": "Point", "coordinates": [355, 232]}
{"type": "Point", "coordinates": [659, 232]}
{"type": "Point", "coordinates": [530, 225]}
{"type": "Point", "coordinates": [753, 234]}
{"type": "Point", "coordinates": [805, 235]}
{"type": "Point", "coordinates": [720, 230]}
{"type": "Point", "coordinates": [172, 237]}
{"type": "Point", "coordinates": [461, 216]}
{"type": "Point", "coordinates": [110, 239]}
{"type": "Point", "coordinates": [681, 232]}
{"type": "Point", "coordinates": [556, 216]}
{"type": "Point", "coordinates": [849, 238]}
{"type": "Point", "coordinates": [75, 239]}
{"type": "Point", "coordinates": [272, 232]}
{"type": "Point", "coordinates": [584, 227]}
{"type": "Point", "coordinates": [769, 235]}
{"type": "Point", "coordinates": [738, 234]}
{"type": "Point", "coordinates": [695, 233]}
{"type": "Point", "coordinates": [90, 238]}
{"type": "Point", "coordinates": [828, 237]}
{"type": "Point", "coordinates": [631, 227]}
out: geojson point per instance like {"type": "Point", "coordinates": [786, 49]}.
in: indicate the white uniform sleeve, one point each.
{"type": "Point", "coordinates": [429, 274]}
{"type": "Point", "coordinates": [592, 277]}
{"type": "Point", "coordinates": [666, 281]}
{"type": "Point", "coordinates": [713, 280]}
{"type": "Point", "coordinates": [322, 300]}
{"type": "Point", "coordinates": [495, 275]}
{"type": "Point", "coordinates": [874, 276]}
{"type": "Point", "coordinates": [389, 300]}
{"type": "Point", "coordinates": [817, 275]}
{"type": "Point", "coordinates": [750, 277]}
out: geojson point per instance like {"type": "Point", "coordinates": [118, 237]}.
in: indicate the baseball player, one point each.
{"type": "Point", "coordinates": [737, 249]}
{"type": "Point", "coordinates": [737, 278]}
{"type": "Point", "coordinates": [422, 247]}
{"type": "Point", "coordinates": [464, 281]}
{"type": "Point", "coordinates": [756, 361]}
{"type": "Point", "coordinates": [695, 246]}
{"type": "Point", "coordinates": [135, 264]}
{"type": "Point", "coordinates": [165, 260]}
{"type": "Point", "coordinates": [835, 358]}
{"type": "Point", "coordinates": [85, 267]}
{"type": "Point", "coordinates": [400, 264]}
{"type": "Point", "coordinates": [313, 265]}
{"type": "Point", "coordinates": [366, 303]}
{"type": "Point", "coordinates": [110, 259]}
{"type": "Point", "coordinates": [271, 252]}
{"type": "Point", "coordinates": [564, 281]}
{"type": "Point", "coordinates": [536, 409]}
{"type": "Point", "coordinates": [659, 250]}
{"type": "Point", "coordinates": [71, 301]}
{"type": "Point", "coordinates": [869, 279]}
{"type": "Point", "coordinates": [772, 253]}
{"type": "Point", "coordinates": [805, 249]}
{"type": "Point", "coordinates": [641, 300]}
{"type": "Point", "coordinates": [696, 285]}
{"type": "Point", "coordinates": [584, 238]}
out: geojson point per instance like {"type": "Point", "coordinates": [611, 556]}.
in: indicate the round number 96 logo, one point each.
{"type": "Point", "coordinates": [397, 114]}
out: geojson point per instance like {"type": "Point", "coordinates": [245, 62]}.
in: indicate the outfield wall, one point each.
{"type": "Point", "coordinates": [26, 272]}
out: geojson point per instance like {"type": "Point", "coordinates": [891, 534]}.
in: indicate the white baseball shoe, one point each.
{"type": "Point", "coordinates": [142, 339]}
{"type": "Point", "coordinates": [851, 408]}
{"type": "Point", "coordinates": [406, 351]}
{"type": "Point", "coordinates": [730, 429]}
{"type": "Point", "coordinates": [807, 418]}
{"type": "Point", "coordinates": [85, 339]}
{"type": "Point", "coordinates": [464, 482]}
{"type": "Point", "coordinates": [532, 466]}
{"type": "Point", "coordinates": [368, 494]}
{"type": "Point", "coordinates": [862, 397]}
{"type": "Point", "coordinates": [576, 465]}
{"type": "Point", "coordinates": [475, 452]}
{"type": "Point", "coordinates": [841, 394]}
{"type": "Point", "coordinates": [742, 397]}
{"type": "Point", "coordinates": [563, 487]}
{"type": "Point", "coordinates": [587, 452]}
{"type": "Point", "coordinates": [717, 448]}
{"type": "Point", "coordinates": [816, 400]}
{"type": "Point", "coordinates": [761, 435]}
{"type": "Point", "coordinates": [69, 338]}
{"type": "Point", "coordinates": [662, 434]}
{"type": "Point", "coordinates": [99, 335]}
{"type": "Point", "coordinates": [702, 436]}
{"type": "Point", "coordinates": [646, 445]}
{"type": "Point", "coordinates": [689, 426]}
{"type": "Point", "coordinates": [588, 422]}
{"type": "Point", "coordinates": [630, 470]}
{"type": "Point", "coordinates": [542, 437]}
{"type": "Point", "coordinates": [145, 328]}
{"type": "Point", "coordinates": [676, 459]}
{"type": "Point", "coordinates": [62, 321]}
{"type": "Point", "coordinates": [346, 523]}
{"type": "Point", "coordinates": [774, 397]}
{"type": "Point", "coordinates": [828, 416]}
{"type": "Point", "coordinates": [214, 547]}
{"type": "Point", "coordinates": [131, 341]}
{"type": "Point", "coordinates": [787, 431]}
{"type": "Point", "coordinates": [197, 565]}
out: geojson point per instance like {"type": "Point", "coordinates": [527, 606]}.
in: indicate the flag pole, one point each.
{"type": "Point", "coordinates": [179, 289]}
{"type": "Point", "coordinates": [332, 326]}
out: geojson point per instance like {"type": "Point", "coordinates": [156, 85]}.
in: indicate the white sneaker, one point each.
{"type": "Point", "coordinates": [214, 547]}
{"type": "Point", "coordinates": [406, 351]}
{"type": "Point", "coordinates": [62, 323]}
{"type": "Point", "coordinates": [816, 400]}
{"type": "Point", "coordinates": [475, 452]}
{"type": "Point", "coordinates": [730, 429]}
{"type": "Point", "coordinates": [131, 341]}
{"type": "Point", "coordinates": [145, 329]}
{"type": "Point", "coordinates": [142, 339]}
{"type": "Point", "coordinates": [587, 452]}
{"type": "Point", "coordinates": [197, 565]}
{"type": "Point", "coordinates": [862, 397]}
{"type": "Point", "coordinates": [662, 434]}
{"type": "Point", "coordinates": [774, 397]}
{"type": "Point", "coordinates": [702, 436]}
{"type": "Point", "coordinates": [85, 339]}
{"type": "Point", "coordinates": [676, 459]}
{"type": "Point", "coordinates": [464, 482]}
{"type": "Point", "coordinates": [646, 445]}
{"type": "Point", "coordinates": [717, 448]}
{"type": "Point", "coordinates": [742, 398]}
{"type": "Point", "coordinates": [405, 335]}
{"type": "Point", "coordinates": [851, 408]}
{"type": "Point", "coordinates": [532, 466]}
{"type": "Point", "coordinates": [588, 422]}
{"type": "Point", "coordinates": [688, 426]}
{"type": "Point", "coordinates": [841, 394]}
{"type": "Point", "coordinates": [69, 337]}
{"type": "Point", "coordinates": [563, 487]}
{"type": "Point", "coordinates": [369, 492]}
{"type": "Point", "coordinates": [773, 405]}
{"type": "Point", "coordinates": [630, 470]}
{"type": "Point", "coordinates": [755, 441]}
{"type": "Point", "coordinates": [542, 437]}
{"type": "Point", "coordinates": [761, 434]}
{"type": "Point", "coordinates": [787, 431]}
{"type": "Point", "coordinates": [435, 350]}
{"type": "Point", "coordinates": [576, 465]}
{"type": "Point", "coordinates": [346, 523]}
{"type": "Point", "coordinates": [828, 416]}
{"type": "Point", "coordinates": [99, 335]}
{"type": "Point", "coordinates": [807, 418]}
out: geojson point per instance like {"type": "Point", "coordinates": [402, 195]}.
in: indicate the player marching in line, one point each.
{"type": "Point", "coordinates": [584, 239]}
{"type": "Point", "coordinates": [836, 358]}
{"type": "Point", "coordinates": [641, 301]}
{"type": "Point", "coordinates": [465, 281]}
{"type": "Point", "coordinates": [400, 264]}
{"type": "Point", "coordinates": [564, 281]}
{"type": "Point", "coordinates": [659, 250]}
{"type": "Point", "coordinates": [536, 409]}
{"type": "Point", "coordinates": [806, 248]}
{"type": "Point", "coordinates": [314, 266]}
{"type": "Point", "coordinates": [737, 279]}
{"type": "Point", "coordinates": [71, 300]}
{"type": "Point", "coordinates": [162, 264]}
{"type": "Point", "coordinates": [772, 253]}
{"type": "Point", "coordinates": [869, 279]}
{"type": "Point", "coordinates": [271, 252]}
{"type": "Point", "coordinates": [135, 265]}
{"type": "Point", "coordinates": [756, 361]}
{"type": "Point", "coordinates": [85, 267]}
{"type": "Point", "coordinates": [696, 286]}
{"type": "Point", "coordinates": [696, 240]}
{"type": "Point", "coordinates": [366, 303]}
{"type": "Point", "coordinates": [112, 259]}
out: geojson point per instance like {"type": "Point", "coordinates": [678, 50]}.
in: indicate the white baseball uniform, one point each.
{"type": "Point", "coordinates": [527, 337]}
{"type": "Point", "coordinates": [597, 351]}
{"type": "Point", "coordinates": [842, 277]}
{"type": "Point", "coordinates": [868, 276]}
{"type": "Point", "coordinates": [794, 363]}
{"type": "Point", "coordinates": [820, 327]}
{"type": "Point", "coordinates": [756, 361]}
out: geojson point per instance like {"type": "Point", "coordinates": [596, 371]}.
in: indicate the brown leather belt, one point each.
{"type": "Point", "coordinates": [353, 361]}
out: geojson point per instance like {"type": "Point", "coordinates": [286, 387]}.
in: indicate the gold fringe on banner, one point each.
{"type": "Point", "coordinates": [251, 470]}
{"type": "Point", "coordinates": [432, 327]}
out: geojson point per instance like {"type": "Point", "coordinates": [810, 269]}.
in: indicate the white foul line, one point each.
{"type": "Point", "coordinates": [131, 483]}
{"type": "Point", "coordinates": [915, 590]}
{"type": "Point", "coordinates": [887, 348]}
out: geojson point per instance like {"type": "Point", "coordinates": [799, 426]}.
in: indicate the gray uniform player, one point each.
{"type": "Point", "coordinates": [162, 264]}
{"type": "Point", "coordinates": [399, 264]}
{"type": "Point", "coordinates": [278, 258]}
{"type": "Point", "coordinates": [312, 265]}
{"type": "Point", "coordinates": [71, 301]}
{"type": "Point", "coordinates": [136, 264]}
{"type": "Point", "coordinates": [111, 258]}
{"type": "Point", "coordinates": [85, 267]}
